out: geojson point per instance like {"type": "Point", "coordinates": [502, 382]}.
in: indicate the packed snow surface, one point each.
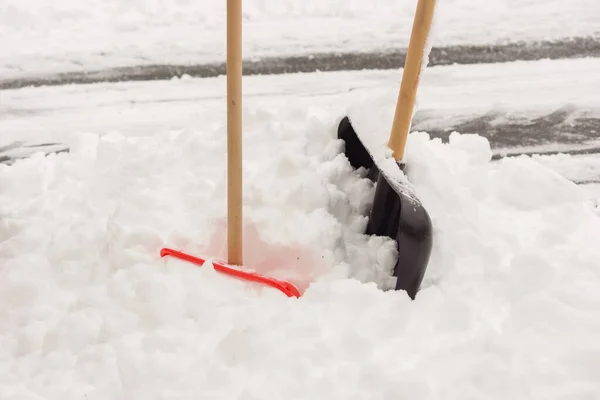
{"type": "Point", "coordinates": [509, 309]}
{"type": "Point", "coordinates": [38, 36]}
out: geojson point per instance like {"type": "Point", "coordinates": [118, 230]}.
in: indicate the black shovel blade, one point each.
{"type": "Point", "coordinates": [396, 213]}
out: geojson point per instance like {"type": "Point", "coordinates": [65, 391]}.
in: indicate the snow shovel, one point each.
{"type": "Point", "coordinates": [396, 211]}
{"type": "Point", "coordinates": [234, 166]}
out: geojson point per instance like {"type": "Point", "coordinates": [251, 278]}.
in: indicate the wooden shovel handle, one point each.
{"type": "Point", "coordinates": [410, 77]}
{"type": "Point", "coordinates": [234, 132]}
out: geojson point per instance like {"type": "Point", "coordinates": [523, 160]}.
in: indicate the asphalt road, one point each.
{"type": "Point", "coordinates": [560, 131]}
{"type": "Point", "coordinates": [566, 48]}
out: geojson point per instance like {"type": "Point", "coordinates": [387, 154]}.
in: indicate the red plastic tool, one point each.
{"type": "Point", "coordinates": [234, 164]}
{"type": "Point", "coordinates": [286, 287]}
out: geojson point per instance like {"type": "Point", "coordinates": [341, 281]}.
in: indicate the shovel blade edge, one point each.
{"type": "Point", "coordinates": [396, 213]}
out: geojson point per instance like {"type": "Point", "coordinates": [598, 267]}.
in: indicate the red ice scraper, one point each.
{"type": "Point", "coordinates": [234, 165]}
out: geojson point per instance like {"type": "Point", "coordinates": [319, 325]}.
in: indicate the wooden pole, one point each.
{"type": "Point", "coordinates": [234, 132]}
{"type": "Point", "coordinates": [410, 77]}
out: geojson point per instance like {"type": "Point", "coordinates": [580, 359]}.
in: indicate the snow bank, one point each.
{"type": "Point", "coordinates": [580, 168]}
{"type": "Point", "coordinates": [510, 306]}
{"type": "Point", "coordinates": [38, 36]}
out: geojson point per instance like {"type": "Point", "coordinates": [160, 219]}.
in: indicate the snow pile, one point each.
{"type": "Point", "coordinates": [127, 181]}
{"type": "Point", "coordinates": [583, 169]}
{"type": "Point", "coordinates": [510, 307]}
{"type": "Point", "coordinates": [579, 168]}
{"type": "Point", "coordinates": [83, 35]}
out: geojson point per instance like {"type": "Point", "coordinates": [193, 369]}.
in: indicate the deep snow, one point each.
{"type": "Point", "coordinates": [38, 37]}
{"type": "Point", "coordinates": [510, 306]}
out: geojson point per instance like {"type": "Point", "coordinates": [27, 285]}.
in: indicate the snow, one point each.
{"type": "Point", "coordinates": [581, 168]}
{"type": "Point", "coordinates": [509, 308]}
{"type": "Point", "coordinates": [83, 35]}
{"type": "Point", "coordinates": [448, 95]}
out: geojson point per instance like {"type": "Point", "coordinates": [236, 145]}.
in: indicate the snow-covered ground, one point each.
{"type": "Point", "coordinates": [38, 36]}
{"type": "Point", "coordinates": [510, 306]}
{"type": "Point", "coordinates": [448, 95]}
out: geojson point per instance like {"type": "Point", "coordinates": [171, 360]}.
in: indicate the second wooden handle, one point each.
{"type": "Point", "coordinates": [410, 77]}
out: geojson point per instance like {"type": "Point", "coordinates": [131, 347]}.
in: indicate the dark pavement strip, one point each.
{"type": "Point", "coordinates": [566, 130]}
{"type": "Point", "coordinates": [473, 54]}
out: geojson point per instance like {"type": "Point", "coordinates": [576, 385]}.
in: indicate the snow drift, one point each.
{"type": "Point", "coordinates": [510, 306]}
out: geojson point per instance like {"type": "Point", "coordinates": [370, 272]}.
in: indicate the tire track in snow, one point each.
{"type": "Point", "coordinates": [576, 47]}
